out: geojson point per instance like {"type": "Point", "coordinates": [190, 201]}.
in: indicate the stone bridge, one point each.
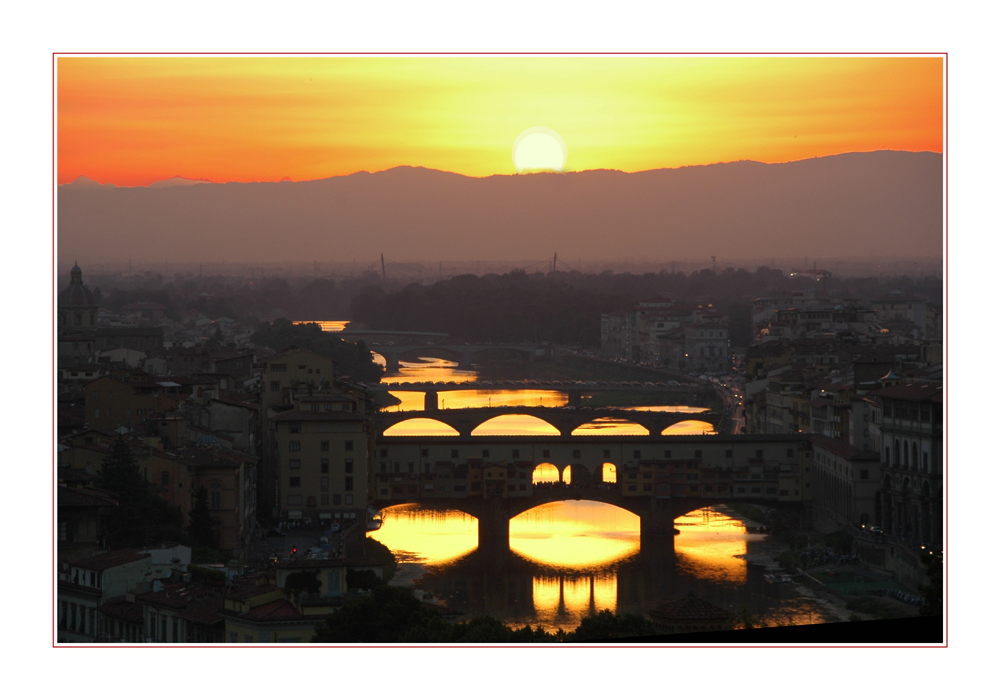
{"type": "Point", "coordinates": [656, 515]}
{"type": "Point", "coordinates": [699, 395]}
{"type": "Point", "coordinates": [565, 420]}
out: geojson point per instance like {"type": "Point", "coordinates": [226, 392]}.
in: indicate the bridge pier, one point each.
{"type": "Point", "coordinates": [656, 524]}
{"type": "Point", "coordinates": [574, 398]}
{"type": "Point", "coordinates": [430, 400]}
{"type": "Point", "coordinates": [494, 525]}
{"type": "Point", "coordinates": [391, 362]}
{"type": "Point", "coordinates": [465, 361]}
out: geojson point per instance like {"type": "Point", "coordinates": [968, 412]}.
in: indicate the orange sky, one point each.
{"type": "Point", "coordinates": [133, 121]}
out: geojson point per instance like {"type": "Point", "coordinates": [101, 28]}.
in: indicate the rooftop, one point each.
{"type": "Point", "coordinates": [108, 560]}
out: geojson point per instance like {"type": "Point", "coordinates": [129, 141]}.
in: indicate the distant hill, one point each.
{"type": "Point", "coordinates": [178, 181]}
{"type": "Point", "coordinates": [879, 204]}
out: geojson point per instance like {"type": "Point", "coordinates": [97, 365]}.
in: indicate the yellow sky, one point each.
{"type": "Point", "coordinates": [133, 121]}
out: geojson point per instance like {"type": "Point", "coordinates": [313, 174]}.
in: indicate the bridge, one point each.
{"type": "Point", "coordinates": [462, 353]}
{"type": "Point", "coordinates": [563, 419]}
{"type": "Point", "coordinates": [574, 390]}
{"type": "Point", "coordinates": [658, 478]}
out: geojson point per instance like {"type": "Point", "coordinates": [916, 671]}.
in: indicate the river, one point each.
{"type": "Point", "coordinates": [570, 559]}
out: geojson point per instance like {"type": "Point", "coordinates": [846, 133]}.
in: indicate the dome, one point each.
{"type": "Point", "coordinates": [76, 294]}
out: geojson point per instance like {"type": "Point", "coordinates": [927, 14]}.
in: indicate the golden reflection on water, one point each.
{"type": "Point", "coordinates": [575, 535]}
{"type": "Point", "coordinates": [421, 427]}
{"type": "Point", "coordinates": [610, 426]}
{"type": "Point", "coordinates": [428, 369]}
{"type": "Point", "coordinates": [500, 397]}
{"type": "Point", "coordinates": [690, 427]}
{"type": "Point", "coordinates": [563, 601]}
{"type": "Point", "coordinates": [431, 537]}
{"type": "Point", "coordinates": [328, 326]}
{"type": "Point", "coordinates": [711, 546]}
{"type": "Point", "coordinates": [515, 425]}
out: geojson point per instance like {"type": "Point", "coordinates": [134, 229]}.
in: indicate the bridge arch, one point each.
{"type": "Point", "coordinates": [611, 426]}
{"type": "Point", "coordinates": [545, 473]}
{"type": "Point", "coordinates": [421, 427]}
{"type": "Point", "coordinates": [514, 424]}
{"type": "Point", "coordinates": [689, 427]}
{"type": "Point", "coordinates": [609, 473]}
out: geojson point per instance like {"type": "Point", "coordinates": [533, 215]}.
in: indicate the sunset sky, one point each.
{"type": "Point", "coordinates": [133, 121]}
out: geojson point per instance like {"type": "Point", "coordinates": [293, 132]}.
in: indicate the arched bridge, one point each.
{"type": "Point", "coordinates": [565, 420]}
{"type": "Point", "coordinates": [656, 514]}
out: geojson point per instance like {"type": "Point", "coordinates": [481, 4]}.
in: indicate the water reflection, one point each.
{"type": "Point", "coordinates": [329, 326]}
{"type": "Point", "coordinates": [515, 424]}
{"type": "Point", "coordinates": [611, 426]}
{"type": "Point", "coordinates": [575, 558]}
{"type": "Point", "coordinates": [690, 427]}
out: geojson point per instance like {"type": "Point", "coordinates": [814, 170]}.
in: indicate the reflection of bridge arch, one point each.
{"type": "Point", "coordinates": [498, 426]}
{"type": "Point", "coordinates": [417, 427]}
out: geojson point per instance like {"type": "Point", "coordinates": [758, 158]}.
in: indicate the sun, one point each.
{"type": "Point", "coordinates": [539, 149]}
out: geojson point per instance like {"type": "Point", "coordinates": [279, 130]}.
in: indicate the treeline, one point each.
{"type": "Point", "coordinates": [566, 308]}
{"type": "Point", "coordinates": [390, 614]}
{"type": "Point", "coordinates": [559, 307]}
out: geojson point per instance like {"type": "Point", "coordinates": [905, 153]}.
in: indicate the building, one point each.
{"type": "Point", "coordinates": [689, 614]}
{"type": "Point", "coordinates": [845, 483]}
{"type": "Point", "coordinates": [76, 306]}
{"type": "Point", "coordinates": [911, 497]}
{"type": "Point", "coordinates": [322, 460]}
{"type": "Point", "coordinates": [86, 584]}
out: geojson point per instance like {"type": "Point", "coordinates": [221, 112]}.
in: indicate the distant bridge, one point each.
{"type": "Point", "coordinates": [563, 419]}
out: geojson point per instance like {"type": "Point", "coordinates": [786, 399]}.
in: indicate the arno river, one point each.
{"type": "Point", "coordinates": [570, 559]}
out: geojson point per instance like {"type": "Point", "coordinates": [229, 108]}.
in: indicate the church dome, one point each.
{"type": "Point", "coordinates": [76, 294]}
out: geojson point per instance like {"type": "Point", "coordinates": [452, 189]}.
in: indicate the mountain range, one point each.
{"type": "Point", "coordinates": [876, 204]}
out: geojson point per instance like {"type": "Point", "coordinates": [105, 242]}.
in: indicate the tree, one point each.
{"type": "Point", "coordinates": [142, 518]}
{"type": "Point", "coordinates": [607, 625]}
{"type": "Point", "coordinates": [201, 526]}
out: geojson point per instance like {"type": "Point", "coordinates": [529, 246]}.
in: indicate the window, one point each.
{"type": "Point", "coordinates": [294, 445]}
{"type": "Point", "coordinates": [349, 466]}
{"type": "Point", "coordinates": [335, 498]}
{"type": "Point", "coordinates": [348, 445]}
{"type": "Point", "coordinates": [315, 409]}
{"type": "Point", "coordinates": [294, 463]}
{"type": "Point", "coordinates": [324, 446]}
{"type": "Point", "coordinates": [409, 467]}
{"type": "Point", "coordinates": [294, 482]}
{"type": "Point", "coordinates": [294, 501]}
{"type": "Point", "coordinates": [233, 637]}
{"type": "Point", "coordinates": [294, 428]}
{"type": "Point", "coordinates": [348, 483]}
{"type": "Point", "coordinates": [275, 386]}
{"type": "Point", "coordinates": [324, 466]}
{"type": "Point", "coordinates": [279, 368]}
{"type": "Point", "coordinates": [216, 500]}
{"type": "Point", "coordinates": [165, 478]}
{"type": "Point", "coordinates": [324, 483]}
{"type": "Point", "coordinates": [632, 487]}
{"type": "Point", "coordinates": [424, 452]}
{"type": "Point", "coordinates": [348, 499]}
